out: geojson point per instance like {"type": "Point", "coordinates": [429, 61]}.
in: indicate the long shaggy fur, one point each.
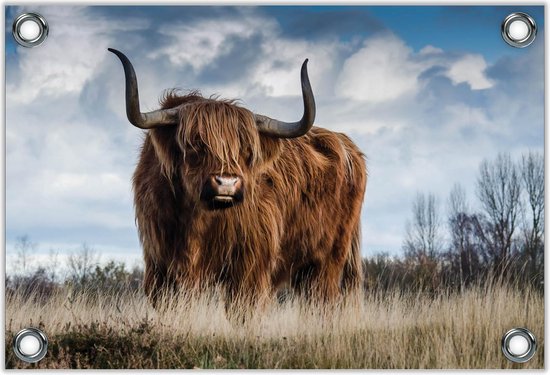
{"type": "Point", "coordinates": [298, 224]}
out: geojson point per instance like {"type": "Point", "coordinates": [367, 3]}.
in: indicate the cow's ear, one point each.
{"type": "Point", "coordinates": [166, 148]}
{"type": "Point", "coordinates": [271, 148]}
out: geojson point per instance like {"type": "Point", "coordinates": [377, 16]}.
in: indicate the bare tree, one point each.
{"type": "Point", "coordinates": [81, 265]}
{"type": "Point", "coordinates": [498, 189]}
{"type": "Point", "coordinates": [52, 267]}
{"type": "Point", "coordinates": [532, 175]}
{"type": "Point", "coordinates": [464, 248]}
{"type": "Point", "coordinates": [457, 200]}
{"type": "Point", "coordinates": [423, 239]}
{"type": "Point", "coordinates": [24, 249]}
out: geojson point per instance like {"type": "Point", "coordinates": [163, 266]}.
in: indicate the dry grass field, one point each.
{"type": "Point", "coordinates": [383, 331]}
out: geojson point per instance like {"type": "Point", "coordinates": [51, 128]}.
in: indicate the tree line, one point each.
{"type": "Point", "coordinates": [500, 237]}
{"type": "Point", "coordinates": [80, 273]}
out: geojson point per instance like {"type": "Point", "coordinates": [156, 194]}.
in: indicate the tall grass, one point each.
{"type": "Point", "coordinates": [384, 330]}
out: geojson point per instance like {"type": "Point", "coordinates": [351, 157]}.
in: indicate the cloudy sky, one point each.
{"type": "Point", "coordinates": [425, 92]}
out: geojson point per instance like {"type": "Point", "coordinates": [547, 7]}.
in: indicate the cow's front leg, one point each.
{"type": "Point", "coordinates": [246, 295]}
{"type": "Point", "coordinates": [162, 282]}
{"type": "Point", "coordinates": [157, 283]}
{"type": "Point", "coordinates": [318, 283]}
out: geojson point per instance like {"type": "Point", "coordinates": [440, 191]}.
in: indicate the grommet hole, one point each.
{"type": "Point", "coordinates": [518, 345]}
{"type": "Point", "coordinates": [30, 345]}
{"type": "Point", "coordinates": [518, 30]}
{"type": "Point", "coordinates": [29, 30]}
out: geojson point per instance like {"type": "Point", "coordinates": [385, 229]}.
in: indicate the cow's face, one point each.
{"type": "Point", "coordinates": [217, 148]}
{"type": "Point", "coordinates": [221, 152]}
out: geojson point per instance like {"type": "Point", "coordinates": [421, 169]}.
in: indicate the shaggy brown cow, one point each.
{"type": "Point", "coordinates": [223, 195]}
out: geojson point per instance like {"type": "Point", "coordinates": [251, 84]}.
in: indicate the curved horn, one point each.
{"type": "Point", "coordinates": [147, 120]}
{"type": "Point", "coordinates": [282, 129]}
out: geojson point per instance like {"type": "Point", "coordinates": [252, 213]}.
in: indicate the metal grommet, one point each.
{"type": "Point", "coordinates": [519, 29]}
{"type": "Point", "coordinates": [519, 345]}
{"type": "Point", "coordinates": [30, 345]}
{"type": "Point", "coordinates": [30, 29]}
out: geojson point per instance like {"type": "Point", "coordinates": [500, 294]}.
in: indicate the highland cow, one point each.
{"type": "Point", "coordinates": [226, 196]}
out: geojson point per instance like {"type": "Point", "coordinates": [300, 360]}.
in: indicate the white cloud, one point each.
{"type": "Point", "coordinates": [279, 71]}
{"type": "Point", "coordinates": [70, 55]}
{"type": "Point", "coordinates": [66, 174]}
{"type": "Point", "coordinates": [67, 168]}
{"type": "Point", "coordinates": [200, 43]}
{"type": "Point", "coordinates": [100, 186]}
{"type": "Point", "coordinates": [430, 50]}
{"type": "Point", "coordinates": [384, 69]}
{"type": "Point", "coordinates": [470, 69]}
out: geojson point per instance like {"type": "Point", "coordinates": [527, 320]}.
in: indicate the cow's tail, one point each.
{"type": "Point", "coordinates": [352, 278]}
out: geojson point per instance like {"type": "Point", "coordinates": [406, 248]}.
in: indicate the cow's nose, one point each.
{"type": "Point", "coordinates": [223, 189]}
{"type": "Point", "coordinates": [226, 181]}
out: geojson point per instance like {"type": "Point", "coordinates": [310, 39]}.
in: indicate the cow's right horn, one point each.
{"type": "Point", "coordinates": [147, 120]}
{"type": "Point", "coordinates": [281, 129]}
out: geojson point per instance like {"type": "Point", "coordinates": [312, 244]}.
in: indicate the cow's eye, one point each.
{"type": "Point", "coordinates": [192, 157]}
{"type": "Point", "coordinates": [248, 158]}
{"type": "Point", "coordinates": [196, 148]}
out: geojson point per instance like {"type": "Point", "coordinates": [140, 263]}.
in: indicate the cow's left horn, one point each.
{"type": "Point", "coordinates": [282, 129]}
{"type": "Point", "coordinates": [147, 120]}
